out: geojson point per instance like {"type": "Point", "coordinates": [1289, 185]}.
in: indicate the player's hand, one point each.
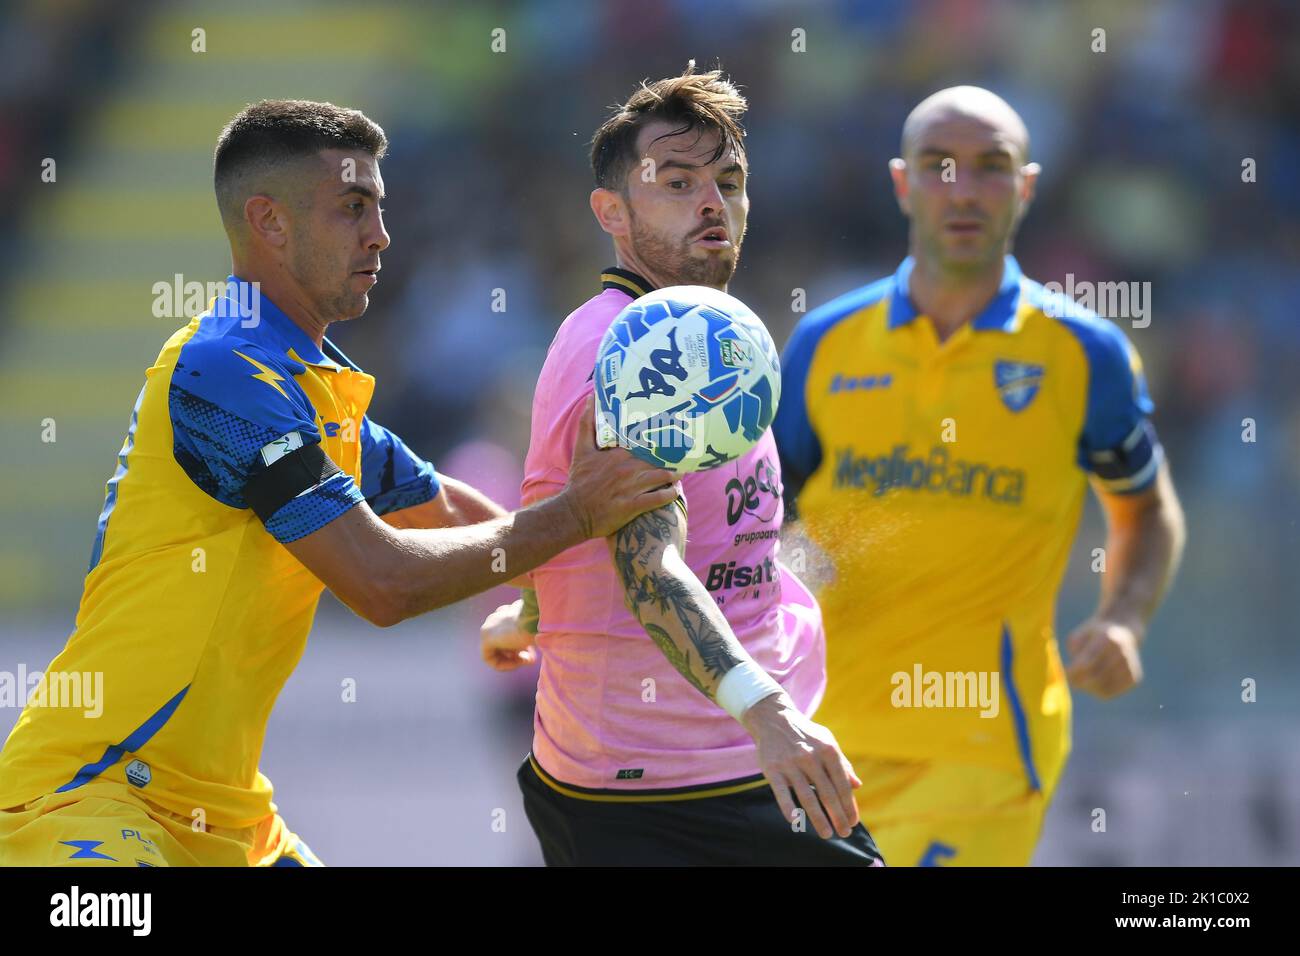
{"type": "Point", "coordinates": [1104, 657]}
{"type": "Point", "coordinates": [504, 643]}
{"type": "Point", "coordinates": [608, 487]}
{"type": "Point", "coordinates": [798, 755]}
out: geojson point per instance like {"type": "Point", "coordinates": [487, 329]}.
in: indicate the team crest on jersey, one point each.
{"type": "Point", "coordinates": [1017, 383]}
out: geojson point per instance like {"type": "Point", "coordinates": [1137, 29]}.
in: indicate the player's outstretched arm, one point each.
{"type": "Point", "coordinates": [682, 619]}
{"type": "Point", "coordinates": [389, 574]}
{"type": "Point", "coordinates": [456, 504]}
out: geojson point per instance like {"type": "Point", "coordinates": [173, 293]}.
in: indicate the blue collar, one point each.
{"type": "Point", "coordinates": [274, 322]}
{"type": "Point", "coordinates": [998, 315]}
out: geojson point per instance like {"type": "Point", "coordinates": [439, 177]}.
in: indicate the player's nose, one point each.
{"type": "Point", "coordinates": [379, 240]}
{"type": "Point", "coordinates": [962, 189]}
{"type": "Point", "coordinates": [711, 200]}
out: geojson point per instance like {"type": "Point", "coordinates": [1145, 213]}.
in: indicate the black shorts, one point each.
{"type": "Point", "coordinates": [738, 829]}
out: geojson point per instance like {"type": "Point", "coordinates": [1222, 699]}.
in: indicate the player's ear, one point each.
{"type": "Point", "coordinates": [898, 173]}
{"type": "Point", "coordinates": [265, 219]}
{"type": "Point", "coordinates": [1029, 182]}
{"type": "Point", "coordinates": [610, 210]}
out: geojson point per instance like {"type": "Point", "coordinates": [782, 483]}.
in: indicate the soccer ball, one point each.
{"type": "Point", "coordinates": [686, 378]}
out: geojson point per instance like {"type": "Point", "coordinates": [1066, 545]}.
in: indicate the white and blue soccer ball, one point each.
{"type": "Point", "coordinates": [686, 378]}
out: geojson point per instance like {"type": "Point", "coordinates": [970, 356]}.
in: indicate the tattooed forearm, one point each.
{"type": "Point", "coordinates": [676, 657]}
{"type": "Point", "coordinates": [640, 543]}
{"type": "Point", "coordinates": [670, 602]}
{"type": "Point", "coordinates": [683, 595]}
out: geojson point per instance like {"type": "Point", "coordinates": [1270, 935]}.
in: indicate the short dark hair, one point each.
{"type": "Point", "coordinates": [703, 101]}
{"type": "Point", "coordinates": [273, 132]}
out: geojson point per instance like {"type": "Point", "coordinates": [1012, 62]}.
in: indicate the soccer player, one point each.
{"type": "Point", "coordinates": [937, 430]}
{"type": "Point", "coordinates": [671, 724]}
{"type": "Point", "coordinates": [251, 479]}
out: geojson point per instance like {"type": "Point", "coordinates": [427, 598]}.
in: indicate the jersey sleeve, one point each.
{"type": "Point", "coordinates": [392, 476]}
{"type": "Point", "coordinates": [557, 419]}
{"type": "Point", "coordinates": [565, 382]}
{"type": "Point", "coordinates": [1118, 446]}
{"type": "Point", "coordinates": [235, 411]}
{"type": "Point", "coordinates": [797, 444]}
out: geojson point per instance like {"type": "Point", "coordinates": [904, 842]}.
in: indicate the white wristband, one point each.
{"type": "Point", "coordinates": [744, 686]}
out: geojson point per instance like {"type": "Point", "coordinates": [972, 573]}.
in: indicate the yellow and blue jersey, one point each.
{"type": "Point", "coordinates": [945, 482]}
{"type": "Point", "coordinates": [193, 610]}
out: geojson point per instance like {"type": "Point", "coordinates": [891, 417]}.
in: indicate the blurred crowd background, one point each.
{"type": "Point", "coordinates": [1143, 147]}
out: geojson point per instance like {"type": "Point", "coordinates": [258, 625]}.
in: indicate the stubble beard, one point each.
{"type": "Point", "coordinates": [672, 258]}
{"type": "Point", "coordinates": [337, 305]}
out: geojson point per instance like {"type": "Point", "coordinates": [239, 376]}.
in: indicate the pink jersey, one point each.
{"type": "Point", "coordinates": [612, 712]}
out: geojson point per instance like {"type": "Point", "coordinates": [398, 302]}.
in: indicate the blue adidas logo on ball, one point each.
{"type": "Point", "coordinates": [687, 378]}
